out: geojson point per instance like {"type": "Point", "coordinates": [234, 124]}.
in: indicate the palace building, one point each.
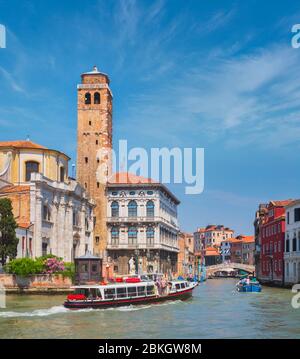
{"type": "Point", "coordinates": [53, 212]}
{"type": "Point", "coordinates": [142, 225]}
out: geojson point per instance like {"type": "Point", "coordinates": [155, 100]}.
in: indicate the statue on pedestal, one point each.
{"type": "Point", "coordinates": [131, 263]}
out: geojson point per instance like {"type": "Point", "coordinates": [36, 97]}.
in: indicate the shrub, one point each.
{"type": "Point", "coordinates": [69, 271]}
{"type": "Point", "coordinates": [53, 265]}
{"type": "Point", "coordinates": [49, 264]}
{"type": "Point", "coordinates": [24, 267]}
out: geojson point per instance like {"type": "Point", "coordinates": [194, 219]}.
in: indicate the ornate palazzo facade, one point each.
{"type": "Point", "coordinates": [142, 226]}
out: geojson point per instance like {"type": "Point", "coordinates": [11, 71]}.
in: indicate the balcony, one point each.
{"type": "Point", "coordinates": [141, 219]}
{"type": "Point", "coordinates": [141, 245]}
{"type": "Point", "coordinates": [292, 255]}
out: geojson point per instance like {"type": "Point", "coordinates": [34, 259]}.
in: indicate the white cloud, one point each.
{"type": "Point", "coordinates": [247, 96]}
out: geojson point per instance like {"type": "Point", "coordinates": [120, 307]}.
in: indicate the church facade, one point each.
{"type": "Point", "coordinates": [53, 212]}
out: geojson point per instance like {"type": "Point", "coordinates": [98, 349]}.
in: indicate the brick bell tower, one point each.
{"type": "Point", "coordinates": [94, 143]}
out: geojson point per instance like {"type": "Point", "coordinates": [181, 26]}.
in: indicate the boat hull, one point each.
{"type": "Point", "coordinates": [183, 295]}
{"type": "Point", "coordinates": [249, 288]}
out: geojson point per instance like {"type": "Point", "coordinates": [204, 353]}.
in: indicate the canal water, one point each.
{"type": "Point", "coordinates": [215, 311]}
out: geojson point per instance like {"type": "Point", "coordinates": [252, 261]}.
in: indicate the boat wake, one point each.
{"type": "Point", "coordinates": [59, 309]}
{"type": "Point", "coordinates": [35, 313]}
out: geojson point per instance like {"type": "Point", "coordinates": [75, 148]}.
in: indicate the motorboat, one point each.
{"type": "Point", "coordinates": [128, 291]}
{"type": "Point", "coordinates": [248, 285]}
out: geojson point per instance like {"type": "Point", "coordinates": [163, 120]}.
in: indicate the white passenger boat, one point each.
{"type": "Point", "coordinates": [130, 291]}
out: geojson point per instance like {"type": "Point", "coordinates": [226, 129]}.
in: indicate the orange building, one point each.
{"type": "Point", "coordinates": [186, 257]}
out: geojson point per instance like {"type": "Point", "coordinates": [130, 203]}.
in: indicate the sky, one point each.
{"type": "Point", "coordinates": [219, 75]}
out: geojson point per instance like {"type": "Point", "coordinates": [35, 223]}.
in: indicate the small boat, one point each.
{"type": "Point", "coordinates": [250, 285]}
{"type": "Point", "coordinates": [127, 292]}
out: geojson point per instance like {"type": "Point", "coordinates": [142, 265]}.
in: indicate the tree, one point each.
{"type": "Point", "coordinates": [8, 225]}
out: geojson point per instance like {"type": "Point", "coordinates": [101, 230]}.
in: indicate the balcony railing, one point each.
{"type": "Point", "coordinates": [140, 219]}
{"type": "Point", "coordinates": [140, 245]}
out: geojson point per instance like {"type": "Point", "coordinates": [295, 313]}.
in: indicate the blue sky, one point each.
{"type": "Point", "coordinates": [215, 74]}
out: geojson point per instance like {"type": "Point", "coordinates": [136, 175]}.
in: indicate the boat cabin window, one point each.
{"type": "Point", "coordinates": [177, 286]}
{"type": "Point", "coordinates": [150, 289]}
{"type": "Point", "coordinates": [131, 291]}
{"type": "Point", "coordinates": [109, 293]}
{"type": "Point", "coordinates": [182, 285]}
{"type": "Point", "coordinates": [141, 291]}
{"type": "Point", "coordinates": [83, 291]}
{"type": "Point", "coordinates": [92, 293]}
{"type": "Point", "coordinates": [121, 292]}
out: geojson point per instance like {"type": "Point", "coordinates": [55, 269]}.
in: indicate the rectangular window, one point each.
{"type": "Point", "coordinates": [86, 159]}
{"type": "Point", "coordinates": [288, 217]}
{"type": "Point", "coordinates": [121, 292]}
{"type": "Point", "coordinates": [23, 245]}
{"type": "Point", "coordinates": [97, 239]}
{"type": "Point", "coordinates": [62, 174]}
{"type": "Point", "coordinates": [30, 246]}
{"type": "Point", "coordinates": [109, 293]}
{"type": "Point", "coordinates": [44, 249]}
{"type": "Point", "coordinates": [287, 245]}
{"type": "Point", "coordinates": [131, 291]}
{"type": "Point", "coordinates": [141, 291]}
{"type": "Point", "coordinates": [31, 167]}
{"type": "Point", "coordinates": [297, 214]}
{"type": "Point", "coordinates": [294, 244]}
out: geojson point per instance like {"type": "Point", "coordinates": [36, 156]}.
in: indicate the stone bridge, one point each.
{"type": "Point", "coordinates": [224, 266]}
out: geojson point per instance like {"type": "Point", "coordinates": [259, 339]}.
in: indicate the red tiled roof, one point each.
{"type": "Point", "coordinates": [235, 240]}
{"type": "Point", "coordinates": [211, 251]}
{"type": "Point", "coordinates": [21, 144]}
{"type": "Point", "coordinates": [282, 203]}
{"type": "Point", "coordinates": [129, 178]}
{"type": "Point", "coordinates": [248, 239]}
{"type": "Point", "coordinates": [14, 189]}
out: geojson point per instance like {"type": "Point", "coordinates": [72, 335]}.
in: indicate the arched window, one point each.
{"type": "Point", "coordinates": [132, 235]}
{"type": "Point", "coordinates": [31, 167]}
{"type": "Point", "coordinates": [132, 209]}
{"type": "Point", "coordinates": [150, 209]}
{"type": "Point", "coordinates": [150, 236]}
{"type": "Point", "coordinates": [115, 209]}
{"type": "Point", "coordinates": [97, 98]}
{"type": "Point", "coordinates": [87, 98]}
{"type": "Point", "coordinates": [115, 235]}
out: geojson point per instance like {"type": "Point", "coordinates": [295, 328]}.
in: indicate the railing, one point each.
{"type": "Point", "coordinates": [140, 245]}
{"type": "Point", "coordinates": [140, 219]}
